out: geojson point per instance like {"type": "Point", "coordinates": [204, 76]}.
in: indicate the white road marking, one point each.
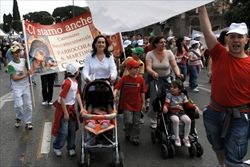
{"type": "Point", "coordinates": [45, 148]}
{"type": "Point", "coordinates": [5, 98]}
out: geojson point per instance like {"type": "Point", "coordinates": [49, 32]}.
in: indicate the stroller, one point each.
{"type": "Point", "coordinates": [164, 135]}
{"type": "Point", "coordinates": [99, 94]}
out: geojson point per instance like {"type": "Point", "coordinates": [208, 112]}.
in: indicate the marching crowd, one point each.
{"type": "Point", "coordinates": [169, 61]}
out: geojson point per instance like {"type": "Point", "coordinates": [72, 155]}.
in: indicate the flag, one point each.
{"type": "Point", "coordinates": [112, 16]}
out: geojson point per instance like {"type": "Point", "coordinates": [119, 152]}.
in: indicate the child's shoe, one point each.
{"type": "Point", "coordinates": [104, 125]}
{"type": "Point", "coordinates": [91, 124]}
{"type": "Point", "coordinates": [72, 152]}
{"type": "Point", "coordinates": [186, 142]}
{"type": "Point", "coordinates": [58, 152]}
{"type": "Point", "coordinates": [177, 142]}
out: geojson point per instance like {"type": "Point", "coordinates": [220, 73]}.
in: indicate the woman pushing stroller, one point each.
{"type": "Point", "coordinates": [175, 102]}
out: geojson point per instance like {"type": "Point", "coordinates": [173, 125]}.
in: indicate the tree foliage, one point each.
{"type": "Point", "coordinates": [67, 12]}
{"type": "Point", "coordinates": [7, 20]}
{"type": "Point", "coordinates": [239, 12]}
{"type": "Point", "coordinates": [16, 14]}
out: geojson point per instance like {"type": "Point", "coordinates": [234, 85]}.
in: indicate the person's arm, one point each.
{"type": "Point", "coordinates": [79, 100]}
{"type": "Point", "coordinates": [149, 69]}
{"type": "Point", "coordinates": [206, 28]}
{"type": "Point", "coordinates": [65, 111]}
{"type": "Point", "coordinates": [175, 68]}
{"type": "Point", "coordinates": [86, 69]}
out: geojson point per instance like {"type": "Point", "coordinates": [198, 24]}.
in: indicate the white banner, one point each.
{"type": "Point", "coordinates": [111, 16]}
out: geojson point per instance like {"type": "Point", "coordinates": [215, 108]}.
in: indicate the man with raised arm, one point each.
{"type": "Point", "coordinates": [227, 117]}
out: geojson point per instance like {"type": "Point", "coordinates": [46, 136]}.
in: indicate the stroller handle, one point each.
{"type": "Point", "coordinates": [87, 116]}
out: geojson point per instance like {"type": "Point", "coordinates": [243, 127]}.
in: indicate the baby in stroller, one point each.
{"type": "Point", "coordinates": [175, 102]}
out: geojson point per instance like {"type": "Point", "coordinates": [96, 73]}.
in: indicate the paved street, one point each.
{"type": "Point", "coordinates": [21, 148]}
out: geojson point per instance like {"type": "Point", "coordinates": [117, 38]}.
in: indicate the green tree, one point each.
{"type": "Point", "coordinates": [67, 12]}
{"type": "Point", "coordinates": [239, 12]}
{"type": "Point", "coordinates": [41, 17]}
{"type": "Point", "coordinates": [7, 20]}
{"type": "Point", "coordinates": [16, 14]}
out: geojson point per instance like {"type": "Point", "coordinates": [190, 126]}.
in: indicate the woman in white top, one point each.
{"type": "Point", "coordinates": [100, 63]}
{"type": "Point", "coordinates": [159, 62]}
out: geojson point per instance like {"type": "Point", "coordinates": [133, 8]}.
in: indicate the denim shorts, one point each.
{"type": "Point", "coordinates": [235, 144]}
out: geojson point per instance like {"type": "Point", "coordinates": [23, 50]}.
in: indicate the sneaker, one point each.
{"type": "Point", "coordinates": [177, 142]}
{"type": "Point", "coordinates": [91, 125]}
{"type": "Point", "coordinates": [50, 103]}
{"type": "Point", "coordinates": [72, 152]}
{"type": "Point", "coordinates": [186, 142]}
{"type": "Point", "coordinates": [104, 125]}
{"type": "Point", "coordinates": [153, 123]}
{"type": "Point", "coordinates": [58, 152]}
{"type": "Point", "coordinates": [141, 121]}
{"type": "Point", "coordinates": [18, 123]}
{"type": "Point", "coordinates": [29, 126]}
{"type": "Point", "coordinates": [44, 103]}
{"type": "Point", "coordinates": [195, 90]}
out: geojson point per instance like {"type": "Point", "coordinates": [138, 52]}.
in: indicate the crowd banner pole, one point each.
{"type": "Point", "coordinates": [123, 50]}
{"type": "Point", "coordinates": [28, 62]}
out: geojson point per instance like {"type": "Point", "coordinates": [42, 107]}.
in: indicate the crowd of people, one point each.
{"type": "Point", "coordinates": [147, 61]}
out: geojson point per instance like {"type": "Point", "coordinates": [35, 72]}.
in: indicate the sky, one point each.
{"type": "Point", "coordinates": [26, 6]}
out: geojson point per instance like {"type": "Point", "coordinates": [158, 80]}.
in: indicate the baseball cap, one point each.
{"type": "Point", "coordinates": [187, 38]}
{"type": "Point", "coordinates": [72, 68]}
{"type": "Point", "coordinates": [192, 42]}
{"type": "Point", "coordinates": [126, 43]}
{"type": "Point", "coordinates": [196, 36]}
{"type": "Point", "coordinates": [170, 38]}
{"type": "Point", "coordinates": [239, 28]}
{"type": "Point", "coordinates": [133, 64]}
{"type": "Point", "coordinates": [137, 50]}
{"type": "Point", "coordinates": [14, 48]}
{"type": "Point", "coordinates": [15, 43]}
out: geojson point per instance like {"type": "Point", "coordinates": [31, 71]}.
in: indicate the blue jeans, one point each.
{"type": "Point", "coordinates": [193, 76]}
{"type": "Point", "coordinates": [67, 131]}
{"type": "Point", "coordinates": [183, 70]}
{"type": "Point", "coordinates": [235, 144]}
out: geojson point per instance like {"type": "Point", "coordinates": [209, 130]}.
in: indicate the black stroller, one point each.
{"type": "Point", "coordinates": [99, 94]}
{"type": "Point", "coordinates": [164, 135]}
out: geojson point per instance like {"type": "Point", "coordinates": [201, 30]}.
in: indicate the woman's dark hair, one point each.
{"type": "Point", "coordinates": [222, 36]}
{"type": "Point", "coordinates": [156, 40]}
{"type": "Point", "coordinates": [106, 51]}
{"type": "Point", "coordinates": [179, 45]}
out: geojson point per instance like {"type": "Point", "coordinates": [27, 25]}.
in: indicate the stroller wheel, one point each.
{"type": "Point", "coordinates": [171, 150]}
{"type": "Point", "coordinates": [164, 151]}
{"type": "Point", "coordinates": [199, 150]}
{"type": "Point", "coordinates": [86, 162]}
{"type": "Point", "coordinates": [118, 160]}
{"type": "Point", "coordinates": [192, 150]}
{"type": "Point", "coordinates": [153, 137]}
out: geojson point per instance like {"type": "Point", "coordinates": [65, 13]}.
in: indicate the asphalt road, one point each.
{"type": "Point", "coordinates": [21, 148]}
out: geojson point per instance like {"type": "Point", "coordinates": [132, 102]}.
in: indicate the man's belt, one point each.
{"type": "Point", "coordinates": [230, 112]}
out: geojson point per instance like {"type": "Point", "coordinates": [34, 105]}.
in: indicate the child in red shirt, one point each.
{"type": "Point", "coordinates": [132, 100]}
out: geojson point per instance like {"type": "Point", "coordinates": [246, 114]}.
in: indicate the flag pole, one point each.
{"type": "Point", "coordinates": [28, 62]}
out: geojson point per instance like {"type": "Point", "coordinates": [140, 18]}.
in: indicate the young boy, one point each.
{"type": "Point", "coordinates": [132, 100]}
{"type": "Point", "coordinates": [65, 120]}
{"type": "Point", "coordinates": [175, 102]}
{"type": "Point", "coordinates": [20, 86]}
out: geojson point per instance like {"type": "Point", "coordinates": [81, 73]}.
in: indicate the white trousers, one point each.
{"type": "Point", "coordinates": [22, 103]}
